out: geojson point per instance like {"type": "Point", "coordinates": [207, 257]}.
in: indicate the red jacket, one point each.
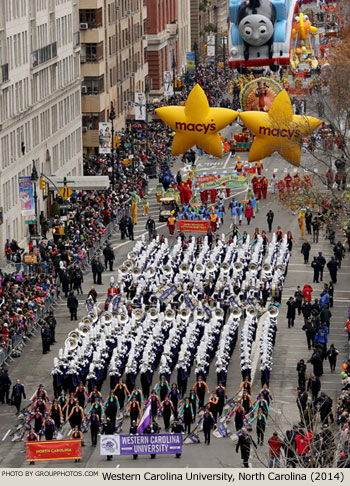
{"type": "Point", "coordinates": [249, 211]}
{"type": "Point", "coordinates": [275, 446]}
{"type": "Point", "coordinates": [303, 442]}
{"type": "Point", "coordinates": [307, 292]}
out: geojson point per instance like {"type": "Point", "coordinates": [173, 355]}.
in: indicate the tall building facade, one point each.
{"type": "Point", "coordinates": [40, 100]}
{"type": "Point", "coordinates": [162, 40]}
{"type": "Point", "coordinates": [203, 22]}
{"type": "Point", "coordinates": [184, 34]}
{"type": "Point", "coordinates": [113, 64]}
{"type": "Point", "coordinates": [221, 16]}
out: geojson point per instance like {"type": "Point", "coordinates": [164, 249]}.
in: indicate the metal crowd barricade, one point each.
{"type": "Point", "coordinates": [5, 354]}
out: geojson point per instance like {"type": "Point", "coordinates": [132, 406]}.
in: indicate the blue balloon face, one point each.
{"type": "Point", "coordinates": [256, 30]}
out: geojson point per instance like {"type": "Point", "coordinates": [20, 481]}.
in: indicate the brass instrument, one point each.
{"type": "Point", "coordinates": [225, 267]}
{"type": "Point", "coordinates": [273, 290]}
{"type": "Point", "coordinates": [199, 268]}
{"type": "Point", "coordinates": [153, 312]}
{"type": "Point", "coordinates": [238, 266]}
{"type": "Point", "coordinates": [251, 311]}
{"type": "Point", "coordinates": [75, 334]}
{"type": "Point", "coordinates": [253, 267]}
{"type": "Point", "coordinates": [152, 271]}
{"type": "Point", "coordinates": [267, 268]}
{"type": "Point", "coordinates": [84, 328]}
{"type": "Point", "coordinates": [128, 264]}
{"type": "Point", "coordinates": [71, 343]}
{"type": "Point", "coordinates": [211, 267]}
{"type": "Point", "coordinates": [185, 314]}
{"type": "Point", "coordinates": [236, 312]}
{"type": "Point", "coordinates": [136, 272]}
{"type": "Point", "coordinates": [219, 313]}
{"type": "Point", "coordinates": [184, 268]}
{"type": "Point", "coordinates": [132, 255]}
{"type": "Point", "coordinates": [169, 315]}
{"type": "Point", "coordinates": [123, 318]}
{"type": "Point", "coordinates": [273, 312]}
{"type": "Point", "coordinates": [108, 317]}
{"type": "Point", "coordinates": [124, 270]}
{"type": "Point", "coordinates": [137, 314]}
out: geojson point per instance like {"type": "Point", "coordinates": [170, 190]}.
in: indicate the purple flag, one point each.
{"type": "Point", "coordinates": [145, 419]}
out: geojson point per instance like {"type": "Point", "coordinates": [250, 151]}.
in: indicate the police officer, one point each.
{"type": "Point", "coordinates": [5, 384]}
{"type": "Point", "coordinates": [17, 393]}
{"type": "Point", "coordinates": [46, 337]}
{"type": "Point", "coordinates": [50, 319]}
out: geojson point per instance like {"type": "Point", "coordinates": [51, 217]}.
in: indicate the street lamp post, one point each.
{"type": "Point", "coordinates": [173, 65]}
{"type": "Point", "coordinates": [112, 118]}
{"type": "Point", "coordinates": [34, 178]}
{"type": "Point", "coordinates": [224, 40]}
{"type": "Point", "coordinates": [147, 90]}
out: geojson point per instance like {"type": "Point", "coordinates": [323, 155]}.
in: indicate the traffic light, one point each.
{"type": "Point", "coordinates": [118, 142]}
{"type": "Point", "coordinates": [46, 190]}
{"type": "Point", "coordinates": [42, 183]}
{"type": "Point", "coordinates": [61, 230]}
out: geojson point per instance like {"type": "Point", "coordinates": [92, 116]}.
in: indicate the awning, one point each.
{"type": "Point", "coordinates": [80, 183]}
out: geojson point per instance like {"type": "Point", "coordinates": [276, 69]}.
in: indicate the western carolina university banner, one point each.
{"type": "Point", "coordinates": [53, 450]}
{"type": "Point", "coordinates": [122, 445]}
{"type": "Point", "coordinates": [189, 225]}
{"type": "Point", "coordinates": [214, 181]}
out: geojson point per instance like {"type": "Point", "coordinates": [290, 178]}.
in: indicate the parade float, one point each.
{"type": "Point", "coordinates": [305, 43]}
{"type": "Point", "coordinates": [260, 33]}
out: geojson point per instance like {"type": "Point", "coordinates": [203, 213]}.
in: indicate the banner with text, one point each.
{"type": "Point", "coordinates": [53, 450]}
{"type": "Point", "coordinates": [189, 225]}
{"type": "Point", "coordinates": [26, 195]}
{"type": "Point", "coordinates": [122, 445]}
{"type": "Point", "coordinates": [168, 83]}
{"type": "Point", "coordinates": [191, 61]}
{"type": "Point", "coordinates": [215, 181]}
{"type": "Point", "coordinates": [140, 106]}
{"type": "Point", "coordinates": [104, 137]}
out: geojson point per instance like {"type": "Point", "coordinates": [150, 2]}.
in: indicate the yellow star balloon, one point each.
{"type": "Point", "coordinates": [279, 130]}
{"type": "Point", "coordinates": [196, 123]}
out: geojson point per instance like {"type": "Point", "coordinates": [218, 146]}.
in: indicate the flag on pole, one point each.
{"type": "Point", "coordinates": [145, 419]}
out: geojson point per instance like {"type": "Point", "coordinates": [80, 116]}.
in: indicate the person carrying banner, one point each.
{"type": "Point", "coordinates": [167, 407]}
{"type": "Point", "coordinates": [76, 435]}
{"type": "Point", "coordinates": [31, 437]}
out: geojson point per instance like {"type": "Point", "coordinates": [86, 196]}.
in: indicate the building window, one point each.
{"type": "Point", "coordinates": [92, 17]}
{"type": "Point", "coordinates": [92, 52]}
{"type": "Point", "coordinates": [93, 85]}
{"type": "Point", "coordinates": [91, 120]}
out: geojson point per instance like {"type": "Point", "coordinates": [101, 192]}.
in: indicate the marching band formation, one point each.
{"type": "Point", "coordinates": [177, 309]}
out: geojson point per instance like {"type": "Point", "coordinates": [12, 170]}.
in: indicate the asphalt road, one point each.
{"type": "Point", "coordinates": [34, 368]}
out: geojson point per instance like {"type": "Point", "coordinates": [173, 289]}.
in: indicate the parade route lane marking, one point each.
{"type": "Point", "coordinates": [228, 158]}
{"type": "Point", "coordinates": [139, 236]}
{"type": "Point", "coordinates": [7, 433]}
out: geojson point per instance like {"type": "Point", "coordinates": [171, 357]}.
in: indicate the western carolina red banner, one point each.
{"type": "Point", "coordinates": [53, 450]}
{"type": "Point", "coordinates": [189, 225]}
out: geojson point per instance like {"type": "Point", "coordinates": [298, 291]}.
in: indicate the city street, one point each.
{"type": "Point", "coordinates": [290, 343]}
